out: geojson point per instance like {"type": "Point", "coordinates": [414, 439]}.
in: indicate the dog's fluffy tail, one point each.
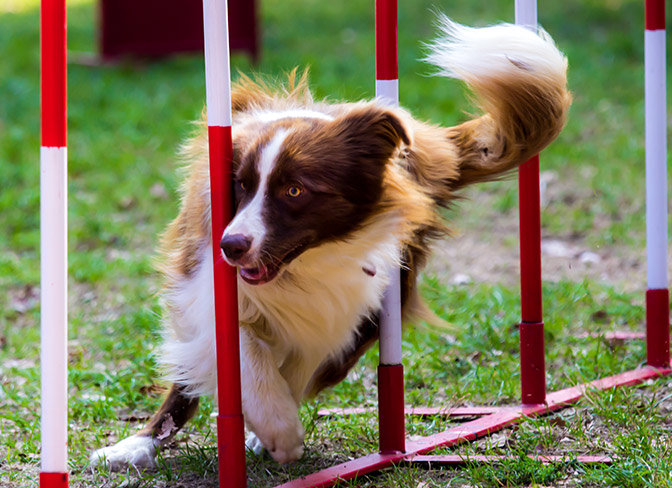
{"type": "Point", "coordinates": [519, 79]}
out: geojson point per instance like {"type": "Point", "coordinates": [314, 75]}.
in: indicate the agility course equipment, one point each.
{"type": "Point", "coordinates": [393, 446]}
{"type": "Point", "coordinates": [391, 426]}
{"type": "Point", "coordinates": [534, 399]}
{"type": "Point", "coordinates": [531, 327]}
{"type": "Point", "coordinates": [657, 294]}
{"type": "Point", "coordinates": [230, 425]}
{"type": "Point", "coordinates": [54, 246]}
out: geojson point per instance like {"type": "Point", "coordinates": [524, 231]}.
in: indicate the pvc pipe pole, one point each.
{"type": "Point", "coordinates": [526, 14]}
{"type": "Point", "coordinates": [532, 361]}
{"type": "Point", "coordinates": [230, 424]}
{"type": "Point", "coordinates": [657, 294]}
{"type": "Point", "coordinates": [390, 370]}
{"type": "Point", "coordinates": [54, 247]}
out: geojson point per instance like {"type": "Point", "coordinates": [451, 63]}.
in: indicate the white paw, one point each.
{"type": "Point", "coordinates": [283, 439]}
{"type": "Point", "coordinates": [287, 452]}
{"type": "Point", "coordinates": [136, 451]}
{"type": "Point", "coordinates": [254, 444]}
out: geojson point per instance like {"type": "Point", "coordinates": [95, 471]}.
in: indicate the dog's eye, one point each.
{"type": "Point", "coordinates": [294, 191]}
{"type": "Point", "coordinates": [241, 185]}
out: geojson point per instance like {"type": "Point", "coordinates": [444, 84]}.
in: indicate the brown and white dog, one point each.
{"type": "Point", "coordinates": [330, 198]}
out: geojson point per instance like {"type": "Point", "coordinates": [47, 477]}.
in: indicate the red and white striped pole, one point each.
{"type": "Point", "coordinates": [532, 362]}
{"type": "Point", "coordinates": [657, 294]}
{"type": "Point", "coordinates": [392, 436]}
{"type": "Point", "coordinates": [54, 247]}
{"type": "Point", "coordinates": [230, 425]}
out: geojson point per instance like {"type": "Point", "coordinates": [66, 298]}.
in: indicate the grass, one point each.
{"type": "Point", "coordinates": [125, 124]}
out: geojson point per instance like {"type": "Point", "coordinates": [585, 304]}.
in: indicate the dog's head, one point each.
{"type": "Point", "coordinates": [304, 179]}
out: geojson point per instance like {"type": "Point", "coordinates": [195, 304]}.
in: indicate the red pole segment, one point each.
{"type": "Point", "coordinates": [658, 328]}
{"type": "Point", "coordinates": [230, 424]}
{"type": "Point", "coordinates": [657, 294]}
{"type": "Point", "coordinates": [530, 242]}
{"type": "Point", "coordinates": [53, 73]}
{"type": "Point", "coordinates": [532, 362]}
{"type": "Point", "coordinates": [391, 421]}
{"type": "Point", "coordinates": [387, 64]}
{"type": "Point", "coordinates": [53, 246]}
{"type": "Point", "coordinates": [655, 15]}
{"type": "Point", "coordinates": [53, 480]}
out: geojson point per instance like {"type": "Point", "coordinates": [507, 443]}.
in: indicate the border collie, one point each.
{"type": "Point", "coordinates": [330, 198]}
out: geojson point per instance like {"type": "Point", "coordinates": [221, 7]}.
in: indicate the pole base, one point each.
{"type": "Point", "coordinates": [231, 451]}
{"type": "Point", "coordinates": [391, 426]}
{"type": "Point", "coordinates": [53, 480]}
{"type": "Point", "coordinates": [658, 328]}
{"type": "Point", "coordinates": [532, 363]}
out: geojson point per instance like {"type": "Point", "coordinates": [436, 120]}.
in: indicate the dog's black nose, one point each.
{"type": "Point", "coordinates": [235, 246]}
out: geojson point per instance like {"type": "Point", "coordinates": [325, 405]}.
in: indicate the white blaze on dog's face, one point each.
{"type": "Point", "coordinates": [245, 234]}
{"type": "Point", "coordinates": [304, 180]}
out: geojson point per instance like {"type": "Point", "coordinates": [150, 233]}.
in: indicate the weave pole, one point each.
{"type": "Point", "coordinates": [230, 425]}
{"type": "Point", "coordinates": [53, 246]}
{"type": "Point", "coordinates": [532, 363]}
{"type": "Point", "coordinates": [391, 428]}
{"type": "Point", "coordinates": [657, 293]}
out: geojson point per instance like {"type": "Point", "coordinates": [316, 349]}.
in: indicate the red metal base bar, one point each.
{"type": "Point", "coordinates": [616, 335]}
{"type": "Point", "coordinates": [231, 449]}
{"type": "Point", "coordinates": [391, 422]}
{"type": "Point", "coordinates": [470, 430]}
{"type": "Point", "coordinates": [53, 480]}
{"type": "Point", "coordinates": [417, 411]}
{"type": "Point", "coordinates": [658, 328]}
{"type": "Point", "coordinates": [453, 460]}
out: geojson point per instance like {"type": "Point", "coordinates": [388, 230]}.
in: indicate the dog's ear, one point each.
{"type": "Point", "coordinates": [370, 133]}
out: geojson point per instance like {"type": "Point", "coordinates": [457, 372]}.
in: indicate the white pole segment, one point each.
{"type": "Point", "coordinates": [390, 315]}
{"type": "Point", "coordinates": [217, 73]}
{"type": "Point", "coordinates": [390, 321]}
{"type": "Point", "coordinates": [388, 91]}
{"type": "Point", "coordinates": [526, 13]}
{"type": "Point", "coordinates": [54, 307]}
{"type": "Point", "coordinates": [656, 159]}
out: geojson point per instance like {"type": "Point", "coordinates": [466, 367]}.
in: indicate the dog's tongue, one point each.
{"type": "Point", "coordinates": [254, 274]}
{"type": "Point", "coordinates": [257, 276]}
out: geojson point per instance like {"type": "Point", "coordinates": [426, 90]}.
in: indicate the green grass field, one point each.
{"type": "Point", "coordinates": [125, 124]}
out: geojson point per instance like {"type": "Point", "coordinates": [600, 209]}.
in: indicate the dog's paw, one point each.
{"type": "Point", "coordinates": [135, 451]}
{"type": "Point", "coordinates": [287, 452]}
{"type": "Point", "coordinates": [283, 440]}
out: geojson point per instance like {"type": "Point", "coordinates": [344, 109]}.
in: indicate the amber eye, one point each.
{"type": "Point", "coordinates": [242, 185]}
{"type": "Point", "coordinates": [294, 191]}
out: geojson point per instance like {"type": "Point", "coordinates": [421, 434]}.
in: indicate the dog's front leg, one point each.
{"type": "Point", "coordinates": [139, 450]}
{"type": "Point", "coordinates": [268, 404]}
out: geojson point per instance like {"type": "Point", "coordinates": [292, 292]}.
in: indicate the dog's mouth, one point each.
{"type": "Point", "coordinates": [266, 272]}
{"type": "Point", "coordinates": [259, 275]}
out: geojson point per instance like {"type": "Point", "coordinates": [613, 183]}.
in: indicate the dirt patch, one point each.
{"type": "Point", "coordinates": [485, 245]}
{"type": "Point", "coordinates": [488, 258]}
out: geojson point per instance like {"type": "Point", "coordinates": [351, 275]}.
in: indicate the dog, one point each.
{"type": "Point", "coordinates": [330, 198]}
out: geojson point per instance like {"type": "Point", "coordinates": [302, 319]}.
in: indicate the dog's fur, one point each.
{"type": "Point", "coordinates": [330, 198]}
